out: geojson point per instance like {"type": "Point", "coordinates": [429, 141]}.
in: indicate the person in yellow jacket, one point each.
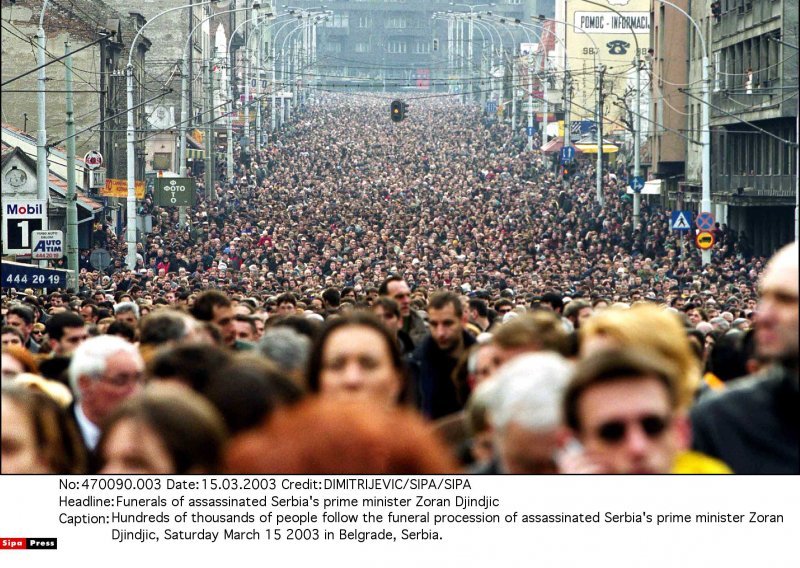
{"type": "Point", "coordinates": [622, 408]}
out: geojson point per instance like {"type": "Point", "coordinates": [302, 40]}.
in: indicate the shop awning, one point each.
{"type": "Point", "coordinates": [554, 145]}
{"type": "Point", "coordinates": [608, 148]}
{"type": "Point", "coordinates": [192, 154]}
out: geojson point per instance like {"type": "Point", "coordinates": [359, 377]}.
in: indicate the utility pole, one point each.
{"type": "Point", "coordinates": [530, 102]}
{"type": "Point", "coordinates": [513, 93]}
{"type": "Point", "coordinates": [72, 197]}
{"type": "Point", "coordinates": [637, 172]}
{"type": "Point", "coordinates": [247, 92]}
{"type": "Point", "coordinates": [546, 106]}
{"type": "Point", "coordinates": [208, 116]}
{"type": "Point", "coordinates": [601, 69]}
{"type": "Point", "coordinates": [258, 89]}
{"type": "Point", "coordinates": [567, 113]}
{"type": "Point", "coordinates": [273, 109]}
{"type": "Point", "coordinates": [182, 169]}
{"type": "Point", "coordinates": [42, 167]}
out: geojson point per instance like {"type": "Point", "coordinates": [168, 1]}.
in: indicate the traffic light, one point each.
{"type": "Point", "coordinates": [566, 170]}
{"type": "Point", "coordinates": [398, 110]}
{"type": "Point", "coordinates": [435, 44]}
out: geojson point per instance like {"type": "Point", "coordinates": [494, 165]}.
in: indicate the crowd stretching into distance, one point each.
{"type": "Point", "coordinates": [363, 296]}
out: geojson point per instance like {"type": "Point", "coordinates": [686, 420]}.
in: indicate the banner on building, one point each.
{"type": "Point", "coordinates": [119, 188]}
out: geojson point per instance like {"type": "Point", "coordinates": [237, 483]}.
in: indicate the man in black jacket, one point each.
{"type": "Point", "coordinates": [754, 426]}
{"type": "Point", "coordinates": [436, 357]}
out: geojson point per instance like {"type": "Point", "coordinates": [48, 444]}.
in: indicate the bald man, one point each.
{"type": "Point", "coordinates": [753, 426]}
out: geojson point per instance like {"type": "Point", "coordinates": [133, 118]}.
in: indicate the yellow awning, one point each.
{"type": "Point", "coordinates": [592, 148]}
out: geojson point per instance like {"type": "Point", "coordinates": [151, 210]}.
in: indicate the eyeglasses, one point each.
{"type": "Point", "coordinates": [123, 380]}
{"type": "Point", "coordinates": [615, 431]}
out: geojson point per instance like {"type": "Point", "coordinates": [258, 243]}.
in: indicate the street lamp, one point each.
{"type": "Point", "coordinates": [131, 136]}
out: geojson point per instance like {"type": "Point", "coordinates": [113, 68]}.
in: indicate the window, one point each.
{"type": "Point", "coordinates": [397, 46]}
{"type": "Point", "coordinates": [423, 47]}
{"type": "Point", "coordinates": [365, 21]}
{"type": "Point", "coordinates": [396, 22]}
{"type": "Point", "coordinates": [361, 47]}
{"type": "Point", "coordinates": [333, 47]}
{"type": "Point", "coordinates": [338, 21]}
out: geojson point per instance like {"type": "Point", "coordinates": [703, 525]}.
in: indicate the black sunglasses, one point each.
{"type": "Point", "coordinates": [615, 430]}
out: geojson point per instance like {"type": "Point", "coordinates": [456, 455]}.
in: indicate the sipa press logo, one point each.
{"type": "Point", "coordinates": [28, 543]}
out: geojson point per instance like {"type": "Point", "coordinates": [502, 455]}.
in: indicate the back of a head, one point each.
{"type": "Point", "coordinates": [162, 326]}
{"type": "Point", "coordinates": [285, 347]}
{"type": "Point", "coordinates": [190, 428]}
{"type": "Point", "coordinates": [192, 364]}
{"type": "Point", "coordinates": [541, 330]}
{"type": "Point", "coordinates": [528, 392]}
{"type": "Point", "coordinates": [247, 390]}
{"type": "Point", "coordinates": [331, 437]}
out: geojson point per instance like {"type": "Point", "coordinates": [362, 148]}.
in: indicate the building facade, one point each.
{"type": "Point", "coordinates": [754, 118]}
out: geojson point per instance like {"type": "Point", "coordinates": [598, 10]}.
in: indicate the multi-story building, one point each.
{"type": "Point", "coordinates": [396, 44]}
{"type": "Point", "coordinates": [668, 68]}
{"type": "Point", "coordinates": [754, 117]}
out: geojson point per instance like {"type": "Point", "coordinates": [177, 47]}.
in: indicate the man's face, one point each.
{"type": "Point", "coordinates": [487, 363]}
{"type": "Point", "coordinates": [244, 331]}
{"type": "Point", "coordinates": [523, 451]}
{"type": "Point", "coordinates": [73, 336]}
{"type": "Point", "coordinates": [127, 317]}
{"type": "Point", "coordinates": [777, 311]}
{"type": "Point", "coordinates": [389, 319]}
{"type": "Point", "coordinates": [56, 301]}
{"type": "Point", "coordinates": [287, 308]}
{"type": "Point", "coordinates": [170, 297]}
{"type": "Point", "coordinates": [583, 315]}
{"type": "Point", "coordinates": [628, 426]}
{"type": "Point", "coordinates": [694, 316]}
{"type": "Point", "coordinates": [121, 380]}
{"type": "Point", "coordinates": [10, 339]}
{"type": "Point", "coordinates": [446, 327]}
{"type": "Point", "coordinates": [87, 313]}
{"type": "Point", "coordinates": [15, 321]}
{"type": "Point", "coordinates": [399, 291]}
{"type": "Point", "coordinates": [223, 317]}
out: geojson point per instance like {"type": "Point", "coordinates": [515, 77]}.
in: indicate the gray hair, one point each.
{"type": "Point", "coordinates": [529, 392]}
{"type": "Point", "coordinates": [123, 307]}
{"type": "Point", "coordinates": [285, 347]}
{"type": "Point", "coordinates": [90, 359]}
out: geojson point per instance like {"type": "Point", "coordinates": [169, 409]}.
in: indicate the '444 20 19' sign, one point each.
{"type": "Point", "coordinates": [173, 192]}
{"type": "Point", "coordinates": [18, 275]}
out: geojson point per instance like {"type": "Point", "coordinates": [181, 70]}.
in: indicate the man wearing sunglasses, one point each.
{"type": "Point", "coordinates": [622, 408]}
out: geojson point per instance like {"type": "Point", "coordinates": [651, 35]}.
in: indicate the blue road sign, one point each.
{"type": "Point", "coordinates": [681, 221]}
{"type": "Point", "coordinates": [636, 183]}
{"type": "Point", "coordinates": [705, 221]}
{"type": "Point", "coordinates": [491, 107]}
{"type": "Point", "coordinates": [530, 130]}
{"type": "Point", "coordinates": [567, 153]}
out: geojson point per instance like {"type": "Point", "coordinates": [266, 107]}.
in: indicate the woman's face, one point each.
{"type": "Point", "coordinates": [20, 453]}
{"type": "Point", "coordinates": [356, 362]}
{"type": "Point", "coordinates": [134, 447]}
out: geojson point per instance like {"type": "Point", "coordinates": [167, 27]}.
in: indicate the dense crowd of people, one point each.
{"type": "Point", "coordinates": [370, 297]}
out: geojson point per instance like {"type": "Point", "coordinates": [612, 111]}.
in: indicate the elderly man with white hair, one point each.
{"type": "Point", "coordinates": [104, 371]}
{"type": "Point", "coordinates": [525, 413]}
